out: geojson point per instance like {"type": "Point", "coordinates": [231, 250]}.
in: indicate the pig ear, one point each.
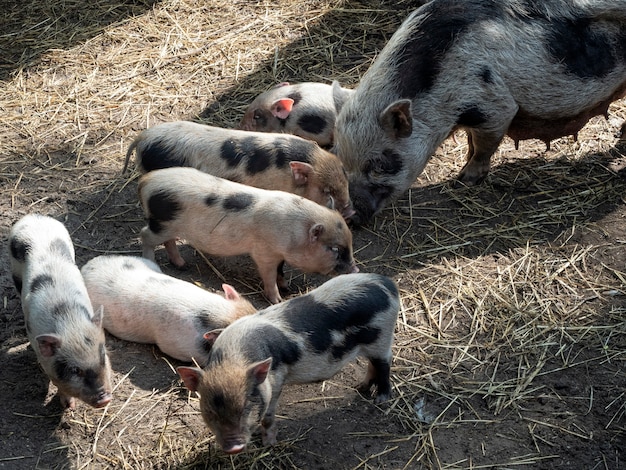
{"type": "Point", "coordinates": [230, 292]}
{"type": "Point", "coordinates": [281, 84]}
{"type": "Point", "coordinates": [191, 376]}
{"type": "Point", "coordinates": [282, 108]}
{"type": "Point", "coordinates": [259, 370]}
{"type": "Point", "coordinates": [300, 172]}
{"type": "Point", "coordinates": [211, 336]}
{"type": "Point", "coordinates": [397, 119]}
{"type": "Point", "coordinates": [48, 344]}
{"type": "Point", "coordinates": [97, 316]}
{"type": "Point", "coordinates": [315, 232]}
{"type": "Point", "coordinates": [340, 96]}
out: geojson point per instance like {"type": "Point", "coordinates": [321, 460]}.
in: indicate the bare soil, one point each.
{"type": "Point", "coordinates": [511, 344]}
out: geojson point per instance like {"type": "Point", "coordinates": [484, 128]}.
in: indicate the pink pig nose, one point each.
{"type": "Point", "coordinates": [234, 449]}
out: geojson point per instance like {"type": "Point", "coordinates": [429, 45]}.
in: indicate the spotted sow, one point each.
{"type": "Point", "coordinates": [268, 161]}
{"type": "Point", "coordinates": [144, 305]}
{"type": "Point", "coordinates": [305, 339]}
{"type": "Point", "coordinates": [225, 218]}
{"type": "Point", "coordinates": [522, 68]}
{"type": "Point", "coordinates": [61, 324]}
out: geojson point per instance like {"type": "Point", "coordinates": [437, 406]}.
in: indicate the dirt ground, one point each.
{"type": "Point", "coordinates": [511, 343]}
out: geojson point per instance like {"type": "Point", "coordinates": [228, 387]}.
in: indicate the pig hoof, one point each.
{"type": "Point", "coordinates": [467, 178]}
{"type": "Point", "coordinates": [68, 402]}
{"type": "Point", "coordinates": [381, 399]}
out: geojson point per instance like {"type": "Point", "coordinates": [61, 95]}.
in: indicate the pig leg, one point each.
{"type": "Point", "coordinates": [67, 401]}
{"type": "Point", "coordinates": [149, 240]}
{"type": "Point", "coordinates": [269, 269]}
{"type": "Point", "coordinates": [481, 148]}
{"type": "Point", "coordinates": [268, 423]}
{"type": "Point", "coordinates": [280, 276]}
{"type": "Point", "coordinates": [377, 374]}
{"type": "Point", "coordinates": [486, 124]}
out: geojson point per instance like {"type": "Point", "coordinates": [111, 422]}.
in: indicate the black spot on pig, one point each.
{"type": "Point", "coordinates": [18, 283]}
{"type": "Point", "coordinates": [202, 321]}
{"type": "Point", "coordinates": [238, 202]}
{"type": "Point", "coordinates": [210, 199]}
{"type": "Point", "coordinates": [268, 341]}
{"type": "Point", "coordinates": [390, 163]}
{"type": "Point", "coordinates": [157, 155]}
{"type": "Point", "coordinates": [471, 117]}
{"type": "Point", "coordinates": [436, 27]}
{"type": "Point", "coordinates": [298, 150]}
{"type": "Point", "coordinates": [363, 335]}
{"type": "Point", "coordinates": [260, 159]}
{"type": "Point", "coordinates": [103, 354]}
{"type": "Point", "coordinates": [162, 207]}
{"type": "Point", "coordinates": [296, 96]}
{"type": "Point", "coordinates": [584, 51]}
{"type": "Point", "coordinates": [61, 248]}
{"type": "Point", "coordinates": [232, 153]}
{"type": "Point", "coordinates": [41, 281]}
{"type": "Point", "coordinates": [318, 320]}
{"type": "Point", "coordinates": [312, 123]}
{"type": "Point", "coordinates": [127, 265]}
{"type": "Point", "coordinates": [65, 309]}
{"type": "Point", "coordinates": [19, 249]}
{"type": "Point", "coordinates": [486, 75]}
{"type": "Point", "coordinates": [64, 370]}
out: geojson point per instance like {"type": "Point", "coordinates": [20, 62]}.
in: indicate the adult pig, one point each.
{"type": "Point", "coordinates": [304, 109]}
{"type": "Point", "coordinates": [62, 328]}
{"type": "Point", "coordinates": [224, 218]}
{"type": "Point", "coordinates": [146, 306]}
{"type": "Point", "coordinates": [492, 67]}
{"type": "Point", "coordinates": [305, 339]}
{"type": "Point", "coordinates": [269, 161]}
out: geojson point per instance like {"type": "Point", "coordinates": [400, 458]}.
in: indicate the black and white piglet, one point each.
{"type": "Point", "coordinates": [146, 306]}
{"type": "Point", "coordinates": [62, 328]}
{"type": "Point", "coordinates": [268, 161]}
{"type": "Point", "coordinates": [305, 109]}
{"type": "Point", "coordinates": [522, 68]}
{"type": "Point", "coordinates": [224, 218]}
{"type": "Point", "coordinates": [305, 339]}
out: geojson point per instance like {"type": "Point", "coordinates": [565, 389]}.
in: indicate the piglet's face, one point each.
{"type": "Point", "coordinates": [233, 400]}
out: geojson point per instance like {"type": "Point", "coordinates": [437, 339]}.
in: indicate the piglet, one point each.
{"type": "Point", "coordinates": [305, 339]}
{"type": "Point", "coordinates": [146, 306]}
{"type": "Point", "coordinates": [269, 161]}
{"type": "Point", "coordinates": [62, 328]}
{"type": "Point", "coordinates": [224, 218]}
{"type": "Point", "coordinates": [303, 109]}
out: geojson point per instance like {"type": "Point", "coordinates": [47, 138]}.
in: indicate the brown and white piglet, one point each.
{"type": "Point", "coordinates": [63, 329]}
{"type": "Point", "coordinates": [146, 306]}
{"type": "Point", "coordinates": [268, 161]}
{"type": "Point", "coordinates": [304, 109]}
{"type": "Point", "coordinates": [224, 218]}
{"type": "Point", "coordinates": [305, 339]}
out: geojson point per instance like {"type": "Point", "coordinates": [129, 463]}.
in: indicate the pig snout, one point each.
{"type": "Point", "coordinates": [102, 399]}
{"type": "Point", "coordinates": [233, 446]}
{"type": "Point", "coordinates": [367, 201]}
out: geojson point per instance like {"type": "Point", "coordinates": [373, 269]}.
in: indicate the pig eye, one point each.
{"type": "Point", "coordinates": [77, 371]}
{"type": "Point", "coordinates": [334, 249]}
{"type": "Point", "coordinates": [331, 201]}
